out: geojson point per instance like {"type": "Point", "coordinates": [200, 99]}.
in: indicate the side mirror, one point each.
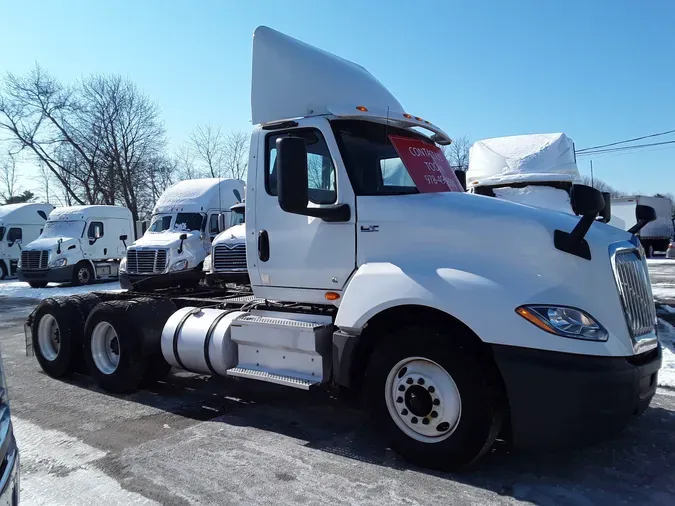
{"type": "Point", "coordinates": [461, 176]}
{"type": "Point", "coordinates": [586, 200]}
{"type": "Point", "coordinates": [221, 222]}
{"type": "Point", "coordinates": [183, 237]}
{"type": "Point", "coordinates": [123, 238]}
{"type": "Point", "coordinates": [292, 174]}
{"type": "Point", "coordinates": [606, 213]}
{"type": "Point", "coordinates": [643, 215]}
{"type": "Point", "coordinates": [180, 247]}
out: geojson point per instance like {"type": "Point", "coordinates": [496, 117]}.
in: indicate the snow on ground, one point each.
{"type": "Point", "coordinates": [13, 288]}
{"type": "Point", "coordinates": [667, 338]}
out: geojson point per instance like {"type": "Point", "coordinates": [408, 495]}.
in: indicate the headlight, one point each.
{"type": "Point", "coordinates": [181, 265]}
{"type": "Point", "coordinates": [564, 321]}
{"type": "Point", "coordinates": [59, 262]}
{"type": "Point", "coordinates": [123, 265]}
{"type": "Point", "coordinates": [207, 264]}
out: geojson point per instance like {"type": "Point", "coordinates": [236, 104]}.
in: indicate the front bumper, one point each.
{"type": "Point", "coordinates": [222, 277]}
{"type": "Point", "coordinates": [558, 400]}
{"type": "Point", "coordinates": [144, 282]}
{"type": "Point", "coordinates": [52, 275]}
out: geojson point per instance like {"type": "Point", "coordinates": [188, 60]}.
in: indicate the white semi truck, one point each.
{"type": "Point", "coordinates": [183, 224]}
{"type": "Point", "coordinates": [79, 244]}
{"type": "Point", "coordinates": [654, 236]}
{"type": "Point", "coordinates": [226, 264]}
{"type": "Point", "coordinates": [20, 224]}
{"type": "Point", "coordinates": [388, 286]}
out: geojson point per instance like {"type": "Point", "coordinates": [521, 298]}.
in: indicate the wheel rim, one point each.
{"type": "Point", "coordinates": [423, 400]}
{"type": "Point", "coordinates": [83, 275]}
{"type": "Point", "coordinates": [105, 348]}
{"type": "Point", "coordinates": [49, 337]}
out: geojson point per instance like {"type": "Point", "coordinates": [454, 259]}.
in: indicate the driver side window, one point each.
{"type": "Point", "coordinates": [95, 230]}
{"type": "Point", "coordinates": [320, 167]}
{"type": "Point", "coordinates": [14, 234]}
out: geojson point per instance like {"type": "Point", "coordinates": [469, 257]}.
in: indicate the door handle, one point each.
{"type": "Point", "coordinates": [263, 246]}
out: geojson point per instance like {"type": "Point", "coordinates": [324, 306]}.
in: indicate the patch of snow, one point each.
{"type": "Point", "coordinates": [492, 160]}
{"type": "Point", "coordinates": [663, 291]}
{"type": "Point", "coordinates": [537, 196]}
{"type": "Point", "coordinates": [20, 289]}
{"type": "Point", "coordinates": [667, 338]}
{"type": "Point", "coordinates": [662, 262]}
{"type": "Point", "coordinates": [200, 195]}
{"type": "Point", "coordinates": [82, 212]}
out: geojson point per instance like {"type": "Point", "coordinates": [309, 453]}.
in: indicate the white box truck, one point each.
{"type": "Point", "coordinates": [20, 224]}
{"type": "Point", "coordinates": [389, 287]}
{"type": "Point", "coordinates": [654, 236]}
{"type": "Point", "coordinates": [79, 244]}
{"type": "Point", "coordinates": [183, 224]}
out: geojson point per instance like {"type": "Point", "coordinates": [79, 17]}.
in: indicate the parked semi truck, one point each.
{"type": "Point", "coordinates": [78, 244]}
{"type": "Point", "coordinates": [654, 236]}
{"type": "Point", "coordinates": [389, 286]}
{"type": "Point", "coordinates": [20, 224]}
{"type": "Point", "coordinates": [226, 264]}
{"type": "Point", "coordinates": [184, 222]}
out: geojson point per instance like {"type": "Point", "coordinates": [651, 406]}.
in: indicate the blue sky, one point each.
{"type": "Point", "coordinates": [598, 70]}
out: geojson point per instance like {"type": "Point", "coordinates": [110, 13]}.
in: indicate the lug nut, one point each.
{"type": "Point", "coordinates": [437, 402]}
{"type": "Point", "coordinates": [404, 412]}
{"type": "Point", "coordinates": [434, 414]}
{"type": "Point", "coordinates": [401, 388]}
{"type": "Point", "coordinates": [425, 421]}
{"type": "Point", "coordinates": [413, 420]}
{"type": "Point", "coordinates": [399, 400]}
{"type": "Point", "coordinates": [431, 389]}
{"type": "Point", "coordinates": [409, 381]}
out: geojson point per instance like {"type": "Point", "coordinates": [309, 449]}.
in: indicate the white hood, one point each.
{"type": "Point", "coordinates": [236, 233]}
{"type": "Point", "coordinates": [163, 239]}
{"type": "Point", "coordinates": [51, 243]}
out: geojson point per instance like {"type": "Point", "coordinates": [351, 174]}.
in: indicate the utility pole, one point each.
{"type": "Point", "coordinates": [592, 181]}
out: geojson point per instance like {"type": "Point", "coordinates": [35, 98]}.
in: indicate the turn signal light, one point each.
{"type": "Point", "coordinates": [332, 296]}
{"type": "Point", "coordinates": [532, 319]}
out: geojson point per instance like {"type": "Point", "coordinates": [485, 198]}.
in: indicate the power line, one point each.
{"type": "Point", "coordinates": [580, 151]}
{"type": "Point", "coordinates": [624, 148]}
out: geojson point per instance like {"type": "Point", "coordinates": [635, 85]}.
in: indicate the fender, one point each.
{"type": "Point", "coordinates": [484, 304]}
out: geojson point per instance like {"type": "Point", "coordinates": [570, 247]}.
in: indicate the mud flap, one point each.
{"type": "Point", "coordinates": [30, 352]}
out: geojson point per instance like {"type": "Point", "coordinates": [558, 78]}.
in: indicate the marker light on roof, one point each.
{"type": "Point", "coordinates": [361, 108]}
{"type": "Point", "coordinates": [406, 115]}
{"type": "Point", "coordinates": [418, 118]}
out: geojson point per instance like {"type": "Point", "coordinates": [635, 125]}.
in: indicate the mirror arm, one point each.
{"type": "Point", "coordinates": [180, 248]}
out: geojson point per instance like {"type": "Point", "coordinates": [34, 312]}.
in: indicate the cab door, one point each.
{"type": "Point", "coordinates": [293, 251]}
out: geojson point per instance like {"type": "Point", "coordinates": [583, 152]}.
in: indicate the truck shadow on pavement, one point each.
{"type": "Point", "coordinates": [636, 466]}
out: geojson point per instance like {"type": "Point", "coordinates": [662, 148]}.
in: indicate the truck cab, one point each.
{"type": "Point", "coordinates": [227, 261]}
{"type": "Point", "coordinates": [78, 245]}
{"type": "Point", "coordinates": [184, 223]}
{"type": "Point", "coordinates": [20, 224]}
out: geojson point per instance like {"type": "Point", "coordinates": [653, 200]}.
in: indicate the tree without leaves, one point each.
{"type": "Point", "coordinates": [599, 184]}
{"type": "Point", "coordinates": [457, 153]}
{"type": "Point", "coordinates": [236, 154]}
{"type": "Point", "coordinates": [208, 147]}
{"type": "Point", "coordinates": [9, 179]}
{"type": "Point", "coordinates": [210, 152]}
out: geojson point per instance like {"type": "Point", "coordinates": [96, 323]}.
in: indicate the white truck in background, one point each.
{"type": "Point", "coordinates": [654, 236]}
{"type": "Point", "coordinates": [226, 264]}
{"type": "Point", "coordinates": [78, 244]}
{"type": "Point", "coordinates": [389, 286]}
{"type": "Point", "coordinates": [183, 224]}
{"type": "Point", "coordinates": [20, 224]}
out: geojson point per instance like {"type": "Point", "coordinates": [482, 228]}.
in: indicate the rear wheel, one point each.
{"type": "Point", "coordinates": [3, 270]}
{"type": "Point", "coordinates": [55, 327]}
{"type": "Point", "coordinates": [113, 347]}
{"type": "Point", "coordinates": [83, 274]}
{"type": "Point", "coordinates": [434, 397]}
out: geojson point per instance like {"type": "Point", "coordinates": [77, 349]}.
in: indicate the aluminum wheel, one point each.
{"type": "Point", "coordinates": [423, 399]}
{"type": "Point", "coordinates": [49, 337]}
{"type": "Point", "coordinates": [105, 348]}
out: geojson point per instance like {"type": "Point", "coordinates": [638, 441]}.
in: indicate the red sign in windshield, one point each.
{"type": "Point", "coordinates": [427, 165]}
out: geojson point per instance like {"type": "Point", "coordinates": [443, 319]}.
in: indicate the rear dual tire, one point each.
{"type": "Point", "coordinates": [434, 397]}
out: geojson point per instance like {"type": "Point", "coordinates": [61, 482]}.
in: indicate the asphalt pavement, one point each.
{"type": "Point", "coordinates": [200, 440]}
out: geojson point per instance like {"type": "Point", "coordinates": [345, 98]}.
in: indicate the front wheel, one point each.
{"type": "Point", "coordinates": [434, 398]}
{"type": "Point", "coordinates": [3, 270]}
{"type": "Point", "coordinates": [83, 274]}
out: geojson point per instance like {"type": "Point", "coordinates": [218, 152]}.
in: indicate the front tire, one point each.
{"type": "Point", "coordinates": [434, 397]}
{"type": "Point", "coordinates": [3, 270]}
{"type": "Point", "coordinates": [83, 274]}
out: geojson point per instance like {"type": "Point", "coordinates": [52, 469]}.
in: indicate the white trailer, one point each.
{"type": "Point", "coordinates": [654, 236]}
{"type": "Point", "coordinates": [183, 224]}
{"type": "Point", "coordinates": [78, 244]}
{"type": "Point", "coordinates": [389, 286]}
{"type": "Point", "coordinates": [20, 224]}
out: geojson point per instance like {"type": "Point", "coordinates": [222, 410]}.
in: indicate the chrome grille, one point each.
{"type": "Point", "coordinates": [225, 258]}
{"type": "Point", "coordinates": [146, 261]}
{"type": "Point", "coordinates": [32, 260]}
{"type": "Point", "coordinates": [636, 293]}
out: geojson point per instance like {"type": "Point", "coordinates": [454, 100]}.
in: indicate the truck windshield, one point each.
{"type": "Point", "coordinates": [72, 229]}
{"type": "Point", "coordinates": [160, 223]}
{"type": "Point", "coordinates": [236, 217]}
{"type": "Point", "coordinates": [372, 162]}
{"type": "Point", "coordinates": [189, 221]}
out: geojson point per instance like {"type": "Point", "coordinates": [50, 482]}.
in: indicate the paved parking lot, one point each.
{"type": "Point", "coordinates": [200, 440]}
